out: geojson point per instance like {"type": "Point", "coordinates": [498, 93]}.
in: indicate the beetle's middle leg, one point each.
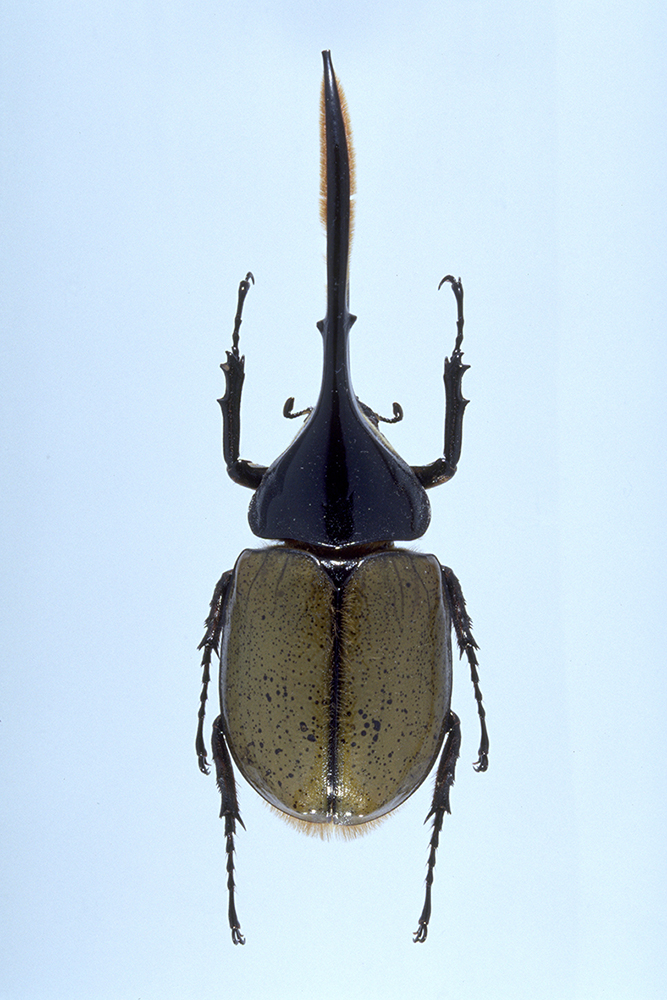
{"type": "Point", "coordinates": [467, 645]}
{"type": "Point", "coordinates": [210, 643]}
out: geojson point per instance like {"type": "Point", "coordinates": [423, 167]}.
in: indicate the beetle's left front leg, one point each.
{"type": "Point", "coordinates": [239, 469]}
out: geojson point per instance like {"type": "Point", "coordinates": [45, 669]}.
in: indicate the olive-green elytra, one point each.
{"type": "Point", "coordinates": [335, 646]}
{"type": "Point", "coordinates": [390, 681]}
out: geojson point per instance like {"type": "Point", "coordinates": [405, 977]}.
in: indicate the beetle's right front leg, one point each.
{"type": "Point", "coordinates": [444, 468]}
{"type": "Point", "coordinates": [241, 471]}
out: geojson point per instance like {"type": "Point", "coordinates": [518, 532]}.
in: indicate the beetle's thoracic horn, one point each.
{"type": "Point", "coordinates": [338, 483]}
{"type": "Point", "coordinates": [337, 173]}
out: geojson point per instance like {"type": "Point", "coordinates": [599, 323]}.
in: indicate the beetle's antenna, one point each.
{"type": "Point", "coordinates": [376, 418]}
{"type": "Point", "coordinates": [288, 410]}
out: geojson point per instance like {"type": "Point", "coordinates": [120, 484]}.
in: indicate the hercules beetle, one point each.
{"type": "Point", "coordinates": [335, 646]}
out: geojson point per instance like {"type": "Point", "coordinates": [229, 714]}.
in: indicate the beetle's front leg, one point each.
{"type": "Point", "coordinates": [467, 645]}
{"type": "Point", "coordinates": [210, 643]}
{"type": "Point", "coordinates": [444, 468]}
{"type": "Point", "coordinates": [229, 809]}
{"type": "Point", "coordinates": [439, 806]}
{"type": "Point", "coordinates": [241, 471]}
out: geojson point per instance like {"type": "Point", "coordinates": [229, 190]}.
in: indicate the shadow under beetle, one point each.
{"type": "Point", "coordinates": [335, 646]}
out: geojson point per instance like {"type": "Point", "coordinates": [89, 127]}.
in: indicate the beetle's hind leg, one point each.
{"type": "Point", "coordinates": [439, 806]}
{"type": "Point", "coordinates": [447, 766]}
{"type": "Point", "coordinates": [467, 645]}
{"type": "Point", "coordinates": [229, 809]}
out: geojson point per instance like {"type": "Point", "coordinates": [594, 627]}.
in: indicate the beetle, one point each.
{"type": "Point", "coordinates": [334, 645]}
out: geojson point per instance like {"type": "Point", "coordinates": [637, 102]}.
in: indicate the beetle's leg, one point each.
{"type": "Point", "coordinates": [210, 643]}
{"type": "Point", "coordinates": [444, 468]}
{"type": "Point", "coordinates": [241, 471]}
{"type": "Point", "coordinates": [439, 806]}
{"type": "Point", "coordinates": [230, 810]}
{"type": "Point", "coordinates": [467, 645]}
{"type": "Point", "coordinates": [223, 766]}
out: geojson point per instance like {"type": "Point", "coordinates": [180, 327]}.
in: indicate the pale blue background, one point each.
{"type": "Point", "coordinates": [152, 154]}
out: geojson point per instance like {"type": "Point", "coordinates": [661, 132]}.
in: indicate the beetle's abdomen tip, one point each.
{"type": "Point", "coordinates": [326, 829]}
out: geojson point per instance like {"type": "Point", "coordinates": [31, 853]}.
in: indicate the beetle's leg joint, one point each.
{"type": "Point", "coordinates": [246, 473]}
